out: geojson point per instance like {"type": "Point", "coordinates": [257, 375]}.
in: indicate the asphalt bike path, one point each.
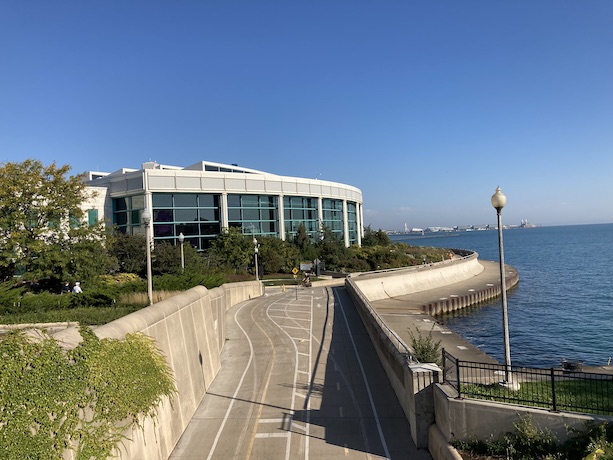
{"type": "Point", "coordinates": [300, 379]}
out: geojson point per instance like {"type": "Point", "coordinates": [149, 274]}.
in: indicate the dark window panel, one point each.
{"type": "Point", "coordinates": [162, 200]}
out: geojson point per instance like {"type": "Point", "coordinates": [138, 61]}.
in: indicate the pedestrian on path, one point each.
{"type": "Point", "coordinates": [77, 288]}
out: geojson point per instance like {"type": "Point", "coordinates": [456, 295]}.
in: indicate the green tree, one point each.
{"type": "Point", "coordinates": [375, 238]}
{"type": "Point", "coordinates": [331, 249]}
{"type": "Point", "coordinates": [42, 228]}
{"type": "Point", "coordinates": [306, 247]}
{"type": "Point", "coordinates": [130, 251]}
{"type": "Point", "coordinates": [231, 249]}
{"type": "Point", "coordinates": [167, 258]}
{"type": "Point", "coordinates": [277, 256]}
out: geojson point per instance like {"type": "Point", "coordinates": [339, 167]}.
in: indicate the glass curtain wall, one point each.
{"type": "Point", "coordinates": [127, 212]}
{"type": "Point", "coordinates": [299, 210]}
{"type": "Point", "coordinates": [254, 214]}
{"type": "Point", "coordinates": [352, 222]}
{"type": "Point", "coordinates": [195, 215]}
{"type": "Point", "coordinates": [333, 216]}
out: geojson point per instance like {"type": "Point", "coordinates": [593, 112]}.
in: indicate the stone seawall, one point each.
{"type": "Point", "coordinates": [472, 297]}
{"type": "Point", "coordinates": [395, 283]}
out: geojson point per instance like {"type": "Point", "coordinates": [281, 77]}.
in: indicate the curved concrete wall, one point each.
{"type": "Point", "coordinates": [189, 329]}
{"type": "Point", "coordinates": [396, 283]}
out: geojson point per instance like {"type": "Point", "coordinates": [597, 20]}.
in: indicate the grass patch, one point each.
{"type": "Point", "coordinates": [87, 316]}
{"type": "Point", "coordinates": [589, 396]}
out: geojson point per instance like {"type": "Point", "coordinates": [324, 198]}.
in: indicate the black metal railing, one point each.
{"type": "Point", "coordinates": [554, 389]}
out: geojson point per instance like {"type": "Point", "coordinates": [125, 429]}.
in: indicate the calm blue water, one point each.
{"type": "Point", "coordinates": [563, 304]}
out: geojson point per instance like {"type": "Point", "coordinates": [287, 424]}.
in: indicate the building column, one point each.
{"type": "Point", "coordinates": [281, 217]}
{"type": "Point", "coordinates": [358, 218]}
{"type": "Point", "coordinates": [224, 211]}
{"type": "Point", "coordinates": [345, 224]}
{"type": "Point", "coordinates": [361, 217]}
{"type": "Point", "coordinates": [320, 213]}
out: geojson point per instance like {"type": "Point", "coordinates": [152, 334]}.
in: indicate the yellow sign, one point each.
{"type": "Point", "coordinates": [295, 271]}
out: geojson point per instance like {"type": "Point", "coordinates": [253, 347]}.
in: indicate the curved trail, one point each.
{"type": "Point", "coordinates": [299, 380]}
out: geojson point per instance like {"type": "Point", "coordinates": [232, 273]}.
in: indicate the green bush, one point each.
{"type": "Point", "coordinates": [528, 442]}
{"type": "Point", "coordinates": [425, 348]}
{"type": "Point", "coordinates": [187, 280]}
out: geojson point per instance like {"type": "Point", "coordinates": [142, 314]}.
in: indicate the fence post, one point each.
{"type": "Point", "coordinates": [457, 372]}
{"type": "Point", "coordinates": [553, 390]}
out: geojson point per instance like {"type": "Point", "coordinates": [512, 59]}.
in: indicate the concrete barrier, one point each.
{"type": "Point", "coordinates": [465, 419]}
{"type": "Point", "coordinates": [436, 417]}
{"type": "Point", "coordinates": [383, 285]}
{"type": "Point", "coordinates": [411, 381]}
{"type": "Point", "coordinates": [189, 329]}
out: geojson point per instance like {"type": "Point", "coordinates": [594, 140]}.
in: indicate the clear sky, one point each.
{"type": "Point", "coordinates": [426, 106]}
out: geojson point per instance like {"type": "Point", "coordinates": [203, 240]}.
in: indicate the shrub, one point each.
{"type": "Point", "coordinates": [187, 280]}
{"type": "Point", "coordinates": [529, 442]}
{"type": "Point", "coordinates": [425, 348]}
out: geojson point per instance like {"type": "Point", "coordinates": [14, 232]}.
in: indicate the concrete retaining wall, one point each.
{"type": "Point", "coordinates": [436, 418]}
{"type": "Point", "coordinates": [383, 285]}
{"type": "Point", "coordinates": [463, 419]}
{"type": "Point", "coordinates": [412, 382]}
{"type": "Point", "coordinates": [189, 329]}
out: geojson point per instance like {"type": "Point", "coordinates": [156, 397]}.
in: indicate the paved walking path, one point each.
{"type": "Point", "coordinates": [404, 314]}
{"type": "Point", "coordinates": [300, 379]}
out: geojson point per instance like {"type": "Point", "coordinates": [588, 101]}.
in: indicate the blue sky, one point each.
{"type": "Point", "coordinates": [426, 106]}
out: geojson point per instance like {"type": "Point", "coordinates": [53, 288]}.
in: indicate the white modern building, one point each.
{"type": "Point", "coordinates": [202, 200]}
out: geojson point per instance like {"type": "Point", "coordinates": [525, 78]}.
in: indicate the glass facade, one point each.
{"type": "Point", "coordinates": [299, 210]}
{"type": "Point", "coordinates": [126, 213]}
{"type": "Point", "coordinates": [333, 216]}
{"type": "Point", "coordinates": [199, 216]}
{"type": "Point", "coordinates": [254, 214]}
{"type": "Point", "coordinates": [352, 222]}
{"type": "Point", "coordinates": [196, 215]}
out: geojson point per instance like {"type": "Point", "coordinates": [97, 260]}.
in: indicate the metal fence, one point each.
{"type": "Point", "coordinates": [554, 389]}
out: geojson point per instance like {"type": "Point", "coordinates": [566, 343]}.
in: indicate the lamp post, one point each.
{"type": "Point", "coordinates": [255, 252]}
{"type": "Point", "coordinates": [498, 202]}
{"type": "Point", "coordinates": [181, 240]}
{"type": "Point", "coordinates": [146, 216]}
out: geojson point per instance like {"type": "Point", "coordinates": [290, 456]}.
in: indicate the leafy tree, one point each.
{"type": "Point", "coordinates": [42, 230]}
{"type": "Point", "coordinates": [232, 249]}
{"type": "Point", "coordinates": [306, 247]}
{"type": "Point", "coordinates": [277, 256]}
{"type": "Point", "coordinates": [375, 238]}
{"type": "Point", "coordinates": [130, 251]}
{"type": "Point", "coordinates": [331, 250]}
{"type": "Point", "coordinates": [167, 258]}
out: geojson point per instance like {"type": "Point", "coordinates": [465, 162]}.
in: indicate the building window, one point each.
{"type": "Point", "coordinates": [352, 222]}
{"type": "Point", "coordinates": [195, 215]}
{"type": "Point", "coordinates": [92, 217]}
{"type": "Point", "coordinates": [126, 213]}
{"type": "Point", "coordinates": [333, 216]}
{"type": "Point", "coordinates": [254, 214]}
{"type": "Point", "coordinates": [298, 210]}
